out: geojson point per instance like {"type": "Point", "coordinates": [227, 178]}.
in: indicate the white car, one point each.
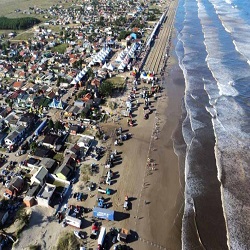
{"type": "Point", "coordinates": [79, 234]}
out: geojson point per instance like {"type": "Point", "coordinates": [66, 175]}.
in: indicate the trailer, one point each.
{"type": "Point", "coordinates": [103, 213]}
{"type": "Point", "coordinates": [101, 236]}
{"type": "Point", "coordinates": [72, 221]}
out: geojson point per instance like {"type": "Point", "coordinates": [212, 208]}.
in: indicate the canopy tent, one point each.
{"type": "Point", "coordinates": [133, 36]}
{"type": "Point", "coordinates": [73, 82]}
{"type": "Point", "coordinates": [58, 104]}
{"type": "Point", "coordinates": [111, 67]}
{"type": "Point", "coordinates": [105, 66]}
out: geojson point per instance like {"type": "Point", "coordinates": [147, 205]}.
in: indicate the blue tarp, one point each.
{"type": "Point", "coordinates": [103, 213]}
{"type": "Point", "coordinates": [133, 35]}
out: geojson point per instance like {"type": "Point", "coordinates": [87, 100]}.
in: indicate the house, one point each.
{"type": "Point", "coordinates": [75, 149]}
{"type": "Point", "coordinates": [40, 176]}
{"type": "Point", "coordinates": [15, 186]}
{"type": "Point", "coordinates": [74, 129]}
{"type": "Point", "coordinates": [44, 196]}
{"type": "Point", "coordinates": [15, 136]}
{"type": "Point", "coordinates": [49, 164]}
{"type": "Point", "coordinates": [12, 138]}
{"type": "Point", "coordinates": [4, 112]}
{"type": "Point", "coordinates": [27, 120]}
{"type": "Point", "coordinates": [17, 85]}
{"type": "Point", "coordinates": [29, 199]}
{"type": "Point", "coordinates": [50, 141]}
{"type": "Point", "coordinates": [64, 172]}
{"type": "Point", "coordinates": [11, 119]}
{"type": "Point", "coordinates": [72, 110]}
{"type": "Point", "coordinates": [22, 99]}
{"type": "Point", "coordinates": [32, 163]}
{"type": "Point", "coordinates": [42, 152]}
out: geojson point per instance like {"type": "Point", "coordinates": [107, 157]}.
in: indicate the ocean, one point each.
{"type": "Point", "coordinates": [213, 49]}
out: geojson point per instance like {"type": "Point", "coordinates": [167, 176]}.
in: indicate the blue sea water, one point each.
{"type": "Point", "coordinates": [213, 48]}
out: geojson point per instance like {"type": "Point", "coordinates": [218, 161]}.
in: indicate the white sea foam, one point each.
{"type": "Point", "coordinates": [233, 23]}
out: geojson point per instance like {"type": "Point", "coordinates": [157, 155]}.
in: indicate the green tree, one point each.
{"type": "Point", "coordinates": [50, 124]}
{"type": "Point", "coordinates": [33, 146]}
{"type": "Point", "coordinates": [58, 125]}
{"type": "Point", "coordinates": [106, 89]}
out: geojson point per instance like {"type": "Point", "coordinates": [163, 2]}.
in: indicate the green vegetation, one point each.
{"type": "Point", "coordinates": [123, 34]}
{"type": "Point", "coordinates": [58, 157]}
{"type": "Point", "coordinates": [17, 23]}
{"type": "Point", "coordinates": [106, 88]}
{"type": "Point", "coordinates": [23, 220]}
{"type": "Point", "coordinates": [24, 36]}
{"type": "Point", "coordinates": [61, 48]}
{"type": "Point", "coordinates": [85, 173]}
{"type": "Point", "coordinates": [155, 11]}
{"type": "Point", "coordinates": [67, 241]}
{"type": "Point", "coordinates": [152, 17]}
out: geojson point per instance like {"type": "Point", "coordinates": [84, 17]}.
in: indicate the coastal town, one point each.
{"type": "Point", "coordinates": [76, 92]}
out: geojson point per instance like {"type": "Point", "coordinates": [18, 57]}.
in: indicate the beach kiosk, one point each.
{"type": "Point", "coordinates": [103, 213]}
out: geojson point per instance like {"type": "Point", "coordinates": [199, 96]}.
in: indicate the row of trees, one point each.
{"type": "Point", "coordinates": [17, 23]}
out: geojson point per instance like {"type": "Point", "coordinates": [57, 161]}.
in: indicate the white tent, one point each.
{"type": "Point", "coordinates": [105, 66]}
{"type": "Point", "coordinates": [73, 82]}
{"type": "Point", "coordinates": [111, 67]}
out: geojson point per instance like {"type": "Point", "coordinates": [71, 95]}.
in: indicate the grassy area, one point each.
{"type": "Point", "coordinates": [8, 7]}
{"type": "Point", "coordinates": [85, 173]}
{"type": "Point", "coordinates": [60, 48]}
{"type": "Point", "coordinates": [58, 157]}
{"type": "Point", "coordinates": [117, 81]}
{"type": "Point", "coordinates": [24, 36]}
{"type": "Point", "coordinates": [67, 241]}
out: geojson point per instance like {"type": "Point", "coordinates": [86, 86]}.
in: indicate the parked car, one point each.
{"type": "Point", "coordinates": [80, 197]}
{"type": "Point", "coordinates": [79, 234]}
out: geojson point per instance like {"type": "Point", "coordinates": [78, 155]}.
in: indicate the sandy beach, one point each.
{"type": "Point", "coordinates": [156, 188]}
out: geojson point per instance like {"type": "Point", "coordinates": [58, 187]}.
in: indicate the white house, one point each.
{"type": "Point", "coordinates": [45, 194]}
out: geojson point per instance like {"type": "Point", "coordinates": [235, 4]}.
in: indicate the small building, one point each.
{"type": "Point", "coordinates": [49, 164]}
{"type": "Point", "coordinates": [45, 194]}
{"type": "Point", "coordinates": [15, 186]}
{"type": "Point", "coordinates": [42, 152]}
{"type": "Point", "coordinates": [65, 171]}
{"type": "Point", "coordinates": [40, 176]}
{"type": "Point", "coordinates": [29, 200]}
{"type": "Point", "coordinates": [74, 129]}
{"type": "Point", "coordinates": [50, 141]}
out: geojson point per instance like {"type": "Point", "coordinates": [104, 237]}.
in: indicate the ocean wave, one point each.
{"type": "Point", "coordinates": [216, 77]}
{"type": "Point", "coordinates": [233, 23]}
